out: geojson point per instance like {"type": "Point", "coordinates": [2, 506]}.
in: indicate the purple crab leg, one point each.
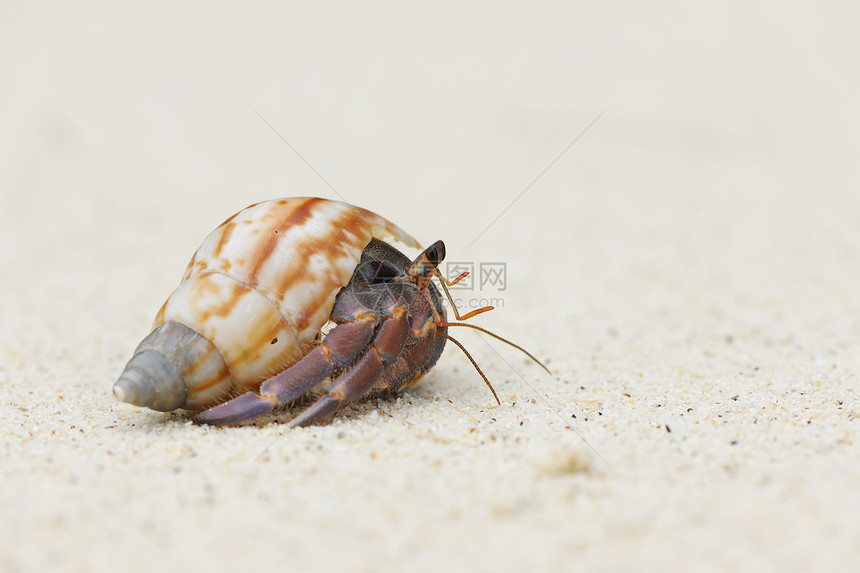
{"type": "Point", "coordinates": [340, 347]}
{"type": "Point", "coordinates": [359, 379]}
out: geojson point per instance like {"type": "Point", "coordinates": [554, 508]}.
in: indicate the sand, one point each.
{"type": "Point", "coordinates": [688, 269]}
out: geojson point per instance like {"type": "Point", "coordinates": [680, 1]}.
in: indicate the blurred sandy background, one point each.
{"type": "Point", "coordinates": [689, 268]}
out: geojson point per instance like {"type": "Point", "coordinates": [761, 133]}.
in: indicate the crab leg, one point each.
{"type": "Point", "coordinates": [358, 380]}
{"type": "Point", "coordinates": [340, 347]}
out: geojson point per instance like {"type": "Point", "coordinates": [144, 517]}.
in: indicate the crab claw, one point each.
{"type": "Point", "coordinates": [248, 405]}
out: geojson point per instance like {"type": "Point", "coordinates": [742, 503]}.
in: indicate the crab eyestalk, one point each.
{"type": "Point", "coordinates": [174, 367]}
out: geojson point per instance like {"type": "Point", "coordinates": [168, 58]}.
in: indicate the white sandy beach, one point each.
{"type": "Point", "coordinates": [689, 269]}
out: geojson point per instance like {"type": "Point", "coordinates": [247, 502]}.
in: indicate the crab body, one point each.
{"type": "Point", "coordinates": [242, 334]}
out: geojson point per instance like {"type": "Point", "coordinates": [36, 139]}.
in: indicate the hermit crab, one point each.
{"type": "Point", "coordinates": [242, 335]}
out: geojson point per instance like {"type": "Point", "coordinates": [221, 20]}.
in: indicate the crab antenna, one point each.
{"type": "Point", "coordinates": [475, 364]}
{"type": "Point", "coordinates": [445, 285]}
{"type": "Point", "coordinates": [497, 337]}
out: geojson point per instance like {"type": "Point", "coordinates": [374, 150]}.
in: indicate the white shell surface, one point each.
{"type": "Point", "coordinates": [263, 283]}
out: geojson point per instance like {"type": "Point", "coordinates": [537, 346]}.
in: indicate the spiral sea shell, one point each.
{"type": "Point", "coordinates": [251, 303]}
